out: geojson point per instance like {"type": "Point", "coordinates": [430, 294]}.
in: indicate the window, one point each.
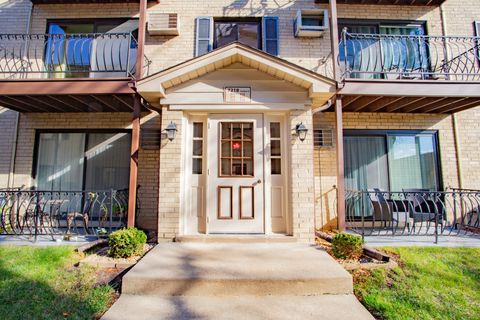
{"type": "Point", "coordinates": [246, 32]}
{"type": "Point", "coordinates": [73, 161]}
{"type": "Point", "coordinates": [197, 148]}
{"type": "Point", "coordinates": [236, 156]}
{"type": "Point", "coordinates": [72, 49]}
{"type": "Point", "coordinates": [261, 33]}
{"type": "Point", "coordinates": [391, 161]}
{"type": "Point", "coordinates": [372, 57]}
{"type": "Point", "coordinates": [275, 148]}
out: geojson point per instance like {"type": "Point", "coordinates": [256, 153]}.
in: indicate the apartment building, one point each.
{"type": "Point", "coordinates": [235, 116]}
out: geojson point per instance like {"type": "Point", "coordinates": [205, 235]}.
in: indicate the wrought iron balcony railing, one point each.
{"type": "Point", "coordinates": [92, 55]}
{"type": "Point", "coordinates": [381, 56]}
{"type": "Point", "coordinates": [413, 212]}
{"type": "Point", "coordinates": [59, 213]}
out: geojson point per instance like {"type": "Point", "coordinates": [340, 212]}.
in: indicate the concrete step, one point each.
{"type": "Point", "coordinates": [338, 307]}
{"type": "Point", "coordinates": [233, 238]}
{"type": "Point", "coordinates": [234, 269]}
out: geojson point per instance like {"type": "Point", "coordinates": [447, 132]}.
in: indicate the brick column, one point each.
{"type": "Point", "coordinates": [301, 178]}
{"type": "Point", "coordinates": [170, 177]}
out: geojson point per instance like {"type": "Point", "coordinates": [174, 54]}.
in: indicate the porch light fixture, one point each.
{"type": "Point", "coordinates": [301, 131]}
{"type": "Point", "coordinates": [171, 130]}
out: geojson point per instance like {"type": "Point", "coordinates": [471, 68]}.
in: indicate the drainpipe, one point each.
{"type": "Point", "coordinates": [456, 134]}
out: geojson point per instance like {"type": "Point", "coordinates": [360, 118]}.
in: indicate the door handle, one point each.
{"type": "Point", "coordinates": [257, 182]}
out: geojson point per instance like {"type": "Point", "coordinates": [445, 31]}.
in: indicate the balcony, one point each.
{"type": "Point", "coordinates": [55, 56]}
{"type": "Point", "coordinates": [409, 73]}
{"type": "Point", "coordinates": [379, 56]}
{"type": "Point", "coordinates": [62, 213]}
{"type": "Point", "coordinates": [68, 72]}
{"type": "Point", "coordinates": [410, 212]}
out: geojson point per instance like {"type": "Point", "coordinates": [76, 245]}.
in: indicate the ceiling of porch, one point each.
{"type": "Point", "coordinates": [67, 95]}
{"type": "Point", "coordinates": [409, 96]}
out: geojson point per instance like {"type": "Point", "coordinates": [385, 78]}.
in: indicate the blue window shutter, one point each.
{"type": "Point", "coordinates": [270, 35]}
{"type": "Point", "coordinates": [203, 35]}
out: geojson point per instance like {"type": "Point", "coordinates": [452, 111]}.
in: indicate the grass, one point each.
{"type": "Point", "coordinates": [42, 283]}
{"type": "Point", "coordinates": [431, 283]}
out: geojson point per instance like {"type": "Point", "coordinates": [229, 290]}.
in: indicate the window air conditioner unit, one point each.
{"type": "Point", "coordinates": [310, 23]}
{"type": "Point", "coordinates": [163, 24]}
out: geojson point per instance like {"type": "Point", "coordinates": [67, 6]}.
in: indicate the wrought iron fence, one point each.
{"type": "Point", "coordinates": [89, 213]}
{"type": "Point", "coordinates": [381, 56]}
{"type": "Point", "coordinates": [413, 212]}
{"type": "Point", "coordinates": [91, 55]}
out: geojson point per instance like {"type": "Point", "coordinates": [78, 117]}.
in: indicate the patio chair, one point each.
{"type": "Point", "coordinates": [422, 208]}
{"type": "Point", "coordinates": [83, 215]}
{"type": "Point", "coordinates": [388, 210]}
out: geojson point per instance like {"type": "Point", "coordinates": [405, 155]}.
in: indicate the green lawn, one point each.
{"type": "Point", "coordinates": [431, 283]}
{"type": "Point", "coordinates": [42, 283]}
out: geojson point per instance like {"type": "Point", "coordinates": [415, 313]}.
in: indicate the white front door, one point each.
{"type": "Point", "coordinates": [235, 174]}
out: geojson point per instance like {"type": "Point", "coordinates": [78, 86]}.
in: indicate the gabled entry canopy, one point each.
{"type": "Point", "coordinates": [237, 64]}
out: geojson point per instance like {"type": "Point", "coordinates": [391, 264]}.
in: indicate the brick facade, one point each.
{"type": "Point", "coordinates": [312, 173]}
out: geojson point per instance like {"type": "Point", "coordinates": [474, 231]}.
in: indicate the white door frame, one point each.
{"type": "Point", "coordinates": [189, 180]}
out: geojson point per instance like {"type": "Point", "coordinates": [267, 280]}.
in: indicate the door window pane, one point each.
{"type": "Point", "coordinates": [197, 148]}
{"type": "Point", "coordinates": [236, 145]}
{"type": "Point", "coordinates": [275, 148]}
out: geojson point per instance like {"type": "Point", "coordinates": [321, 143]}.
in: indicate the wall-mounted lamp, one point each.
{"type": "Point", "coordinates": [171, 130]}
{"type": "Point", "coordinates": [301, 131]}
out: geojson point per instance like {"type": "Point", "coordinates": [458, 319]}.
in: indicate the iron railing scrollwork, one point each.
{"type": "Point", "coordinates": [371, 213]}
{"type": "Point", "coordinates": [392, 57]}
{"type": "Point", "coordinates": [89, 213]}
{"type": "Point", "coordinates": [89, 55]}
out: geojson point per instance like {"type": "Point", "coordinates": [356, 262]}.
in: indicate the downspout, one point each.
{"type": "Point", "coordinates": [456, 134]}
{"type": "Point", "coordinates": [10, 180]}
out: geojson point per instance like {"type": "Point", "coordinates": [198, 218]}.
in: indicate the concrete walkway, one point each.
{"type": "Point", "coordinates": [237, 281]}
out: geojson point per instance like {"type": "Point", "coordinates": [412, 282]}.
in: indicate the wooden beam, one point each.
{"type": "Point", "coordinates": [401, 103]}
{"type": "Point", "coordinates": [341, 218]}
{"type": "Point", "coordinates": [361, 103]}
{"type": "Point", "coordinates": [142, 24]}
{"type": "Point", "coordinates": [61, 100]}
{"type": "Point", "coordinates": [49, 106]}
{"type": "Point", "coordinates": [30, 107]}
{"type": "Point", "coordinates": [132, 190]}
{"type": "Point", "coordinates": [12, 105]}
{"type": "Point", "coordinates": [347, 100]}
{"type": "Point", "coordinates": [105, 101]}
{"type": "Point", "coordinates": [84, 100]}
{"type": "Point", "coordinates": [410, 108]}
{"type": "Point", "coordinates": [411, 88]}
{"type": "Point", "coordinates": [125, 103]}
{"type": "Point", "coordinates": [383, 103]}
{"type": "Point", "coordinates": [459, 106]}
{"type": "Point", "coordinates": [439, 104]}
{"type": "Point", "coordinates": [71, 86]}
{"type": "Point", "coordinates": [332, 6]}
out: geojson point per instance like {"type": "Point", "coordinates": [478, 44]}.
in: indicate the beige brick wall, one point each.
{"type": "Point", "coordinates": [325, 165]}
{"type": "Point", "coordinates": [170, 178]}
{"type": "Point", "coordinates": [301, 180]}
{"type": "Point", "coordinates": [13, 19]}
{"type": "Point", "coordinates": [148, 159]}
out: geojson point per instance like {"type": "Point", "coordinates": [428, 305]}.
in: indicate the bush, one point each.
{"type": "Point", "coordinates": [126, 243]}
{"type": "Point", "coordinates": [347, 246]}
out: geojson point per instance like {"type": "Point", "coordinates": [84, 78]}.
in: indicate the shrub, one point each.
{"type": "Point", "coordinates": [126, 243]}
{"type": "Point", "coordinates": [347, 246]}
